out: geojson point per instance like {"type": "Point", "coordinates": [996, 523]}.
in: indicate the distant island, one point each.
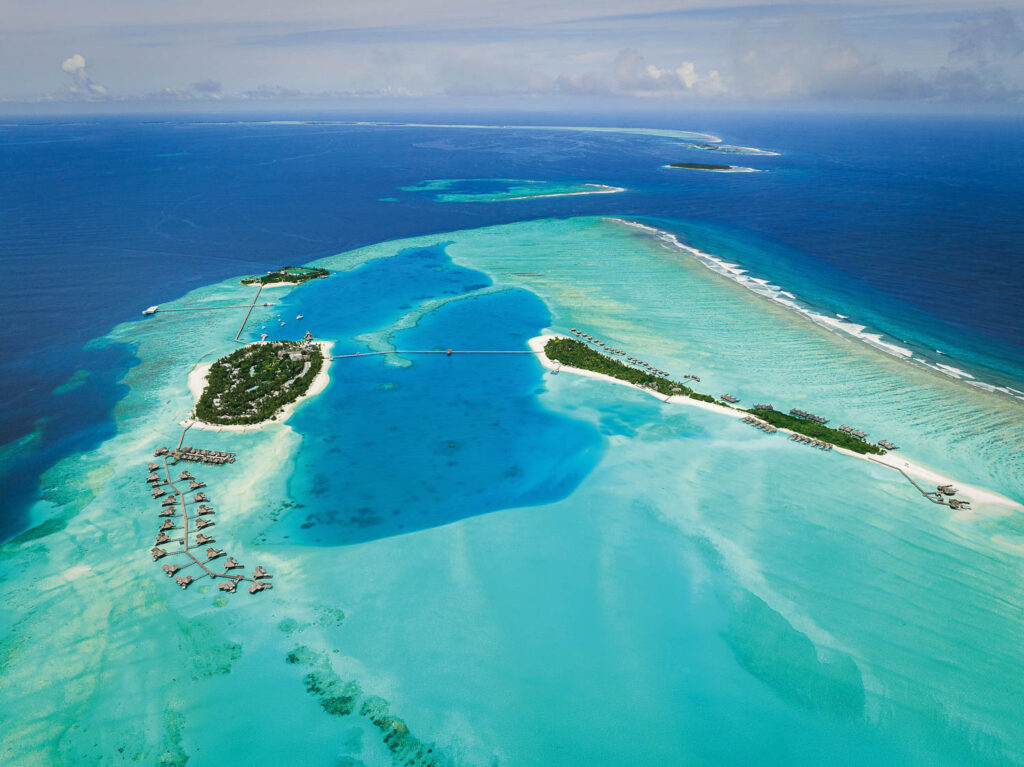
{"type": "Point", "coordinates": [700, 166]}
{"type": "Point", "coordinates": [288, 275]}
{"type": "Point", "coordinates": [729, 149]}
{"type": "Point", "coordinates": [253, 384]}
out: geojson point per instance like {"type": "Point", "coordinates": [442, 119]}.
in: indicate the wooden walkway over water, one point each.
{"type": "Point", "coordinates": [446, 352]}
{"type": "Point", "coordinates": [186, 546]}
{"type": "Point", "coordinates": [246, 318]}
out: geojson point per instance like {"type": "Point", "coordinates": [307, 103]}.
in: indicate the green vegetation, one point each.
{"type": "Point", "coordinates": [578, 355]}
{"type": "Point", "coordinates": [817, 431]}
{"type": "Point", "coordinates": [292, 274]}
{"type": "Point", "coordinates": [252, 384]}
{"type": "Point", "coordinates": [699, 166]}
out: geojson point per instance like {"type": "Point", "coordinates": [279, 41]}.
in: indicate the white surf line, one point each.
{"type": "Point", "coordinates": [975, 495]}
{"type": "Point", "coordinates": [837, 324]}
{"type": "Point", "coordinates": [656, 132]}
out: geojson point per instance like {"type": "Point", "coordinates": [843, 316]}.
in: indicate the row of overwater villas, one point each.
{"type": "Point", "coordinates": [767, 428]}
{"type": "Point", "coordinates": [169, 510]}
{"type": "Point", "coordinates": [620, 353]}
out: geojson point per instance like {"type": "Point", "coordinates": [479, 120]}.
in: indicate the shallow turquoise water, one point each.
{"type": "Point", "coordinates": [595, 577]}
{"type": "Point", "coordinates": [503, 189]}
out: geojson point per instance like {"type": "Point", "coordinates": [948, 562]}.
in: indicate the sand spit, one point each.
{"type": "Point", "coordinates": [197, 382]}
{"type": "Point", "coordinates": [598, 189]}
{"type": "Point", "coordinates": [974, 494]}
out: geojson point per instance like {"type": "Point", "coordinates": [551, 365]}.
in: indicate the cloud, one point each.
{"type": "Point", "coordinates": [988, 40]}
{"type": "Point", "coordinates": [630, 74]}
{"type": "Point", "coordinates": [80, 84]}
{"type": "Point", "coordinates": [210, 88]}
{"type": "Point", "coordinates": [73, 64]}
{"type": "Point", "coordinates": [814, 61]}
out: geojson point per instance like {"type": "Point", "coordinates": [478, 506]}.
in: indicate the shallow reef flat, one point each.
{"type": "Point", "coordinates": [689, 590]}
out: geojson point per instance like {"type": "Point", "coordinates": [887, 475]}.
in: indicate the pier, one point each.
{"type": "Point", "coordinates": [446, 352]}
{"type": "Point", "coordinates": [246, 318]}
{"type": "Point", "coordinates": [942, 494]}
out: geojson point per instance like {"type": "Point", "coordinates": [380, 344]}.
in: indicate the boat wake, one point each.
{"type": "Point", "coordinates": [837, 323]}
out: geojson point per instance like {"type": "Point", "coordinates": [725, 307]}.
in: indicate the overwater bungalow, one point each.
{"type": "Point", "coordinates": [212, 553]}
{"type": "Point", "coordinates": [204, 509]}
{"type": "Point", "coordinates": [152, 466]}
{"type": "Point", "coordinates": [162, 537]}
{"type": "Point", "coordinates": [259, 572]}
{"type": "Point", "coordinates": [157, 492]}
{"type": "Point", "coordinates": [169, 501]}
{"type": "Point", "coordinates": [258, 586]}
{"type": "Point", "coordinates": [168, 511]}
{"type": "Point", "coordinates": [202, 539]}
{"type": "Point", "coordinates": [203, 523]}
{"type": "Point", "coordinates": [183, 581]}
{"type": "Point", "coordinates": [157, 553]}
{"type": "Point", "coordinates": [167, 524]}
{"type": "Point", "coordinates": [160, 451]}
{"type": "Point", "coordinates": [231, 563]}
{"type": "Point", "coordinates": [185, 475]}
{"type": "Point", "coordinates": [946, 489]}
{"type": "Point", "coordinates": [170, 570]}
{"type": "Point", "coordinates": [200, 496]}
{"type": "Point", "coordinates": [194, 485]}
{"type": "Point", "coordinates": [228, 585]}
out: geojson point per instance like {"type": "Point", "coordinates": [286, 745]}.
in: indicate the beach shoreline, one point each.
{"type": "Point", "coordinates": [197, 382]}
{"type": "Point", "coordinates": [601, 189]}
{"type": "Point", "coordinates": [976, 495]}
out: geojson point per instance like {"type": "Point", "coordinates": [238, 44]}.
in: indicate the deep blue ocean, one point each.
{"type": "Point", "coordinates": [912, 226]}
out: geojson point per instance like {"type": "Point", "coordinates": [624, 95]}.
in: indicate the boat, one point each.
{"type": "Point", "coordinates": [298, 316]}
{"type": "Point", "coordinates": [150, 310]}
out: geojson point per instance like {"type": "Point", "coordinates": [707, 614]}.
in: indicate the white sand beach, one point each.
{"type": "Point", "coordinates": [976, 495]}
{"type": "Point", "coordinates": [597, 189]}
{"type": "Point", "coordinates": [197, 382]}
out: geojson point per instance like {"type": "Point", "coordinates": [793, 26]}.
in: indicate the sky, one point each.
{"type": "Point", "coordinates": [128, 54]}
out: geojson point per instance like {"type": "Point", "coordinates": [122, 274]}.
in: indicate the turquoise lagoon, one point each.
{"type": "Point", "coordinates": [576, 574]}
{"type": "Point", "coordinates": [504, 189]}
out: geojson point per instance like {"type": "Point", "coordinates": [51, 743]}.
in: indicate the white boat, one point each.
{"type": "Point", "coordinates": [150, 310]}
{"type": "Point", "coordinates": [298, 316]}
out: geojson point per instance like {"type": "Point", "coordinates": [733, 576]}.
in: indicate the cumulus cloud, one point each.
{"type": "Point", "coordinates": [630, 74]}
{"type": "Point", "coordinates": [80, 84]}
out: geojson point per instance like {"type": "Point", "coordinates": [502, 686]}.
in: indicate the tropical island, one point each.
{"type": "Point", "coordinates": [253, 384]}
{"type": "Point", "coordinates": [577, 354]}
{"type": "Point", "coordinates": [700, 166]}
{"type": "Point", "coordinates": [288, 275]}
{"type": "Point", "coordinates": [729, 149]}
